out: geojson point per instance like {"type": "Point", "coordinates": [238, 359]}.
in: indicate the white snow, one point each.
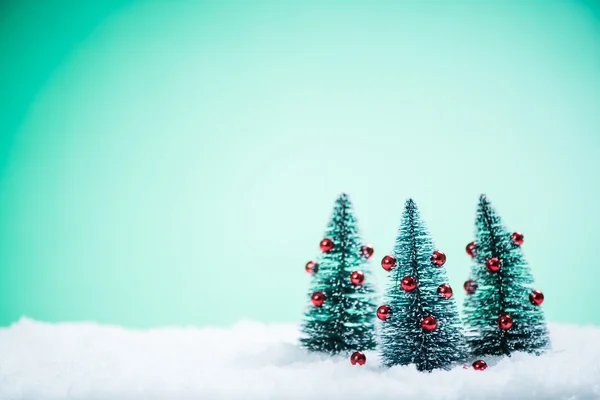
{"type": "Point", "coordinates": [256, 361]}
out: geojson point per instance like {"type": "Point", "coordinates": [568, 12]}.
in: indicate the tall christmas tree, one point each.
{"type": "Point", "coordinates": [421, 321]}
{"type": "Point", "coordinates": [340, 315]}
{"type": "Point", "coordinates": [502, 309]}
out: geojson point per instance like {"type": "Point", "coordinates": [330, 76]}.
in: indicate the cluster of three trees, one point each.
{"type": "Point", "coordinates": [421, 324]}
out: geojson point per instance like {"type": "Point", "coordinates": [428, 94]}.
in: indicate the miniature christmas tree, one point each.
{"type": "Point", "coordinates": [502, 310]}
{"type": "Point", "coordinates": [421, 321]}
{"type": "Point", "coordinates": [340, 316]}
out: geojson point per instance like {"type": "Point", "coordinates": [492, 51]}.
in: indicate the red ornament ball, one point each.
{"type": "Point", "coordinates": [318, 298]}
{"type": "Point", "coordinates": [384, 312]}
{"type": "Point", "coordinates": [357, 278]}
{"type": "Point", "coordinates": [471, 247]}
{"type": "Point", "coordinates": [312, 267]}
{"type": "Point", "coordinates": [493, 265]}
{"type": "Point", "coordinates": [536, 297]}
{"type": "Point", "coordinates": [445, 291]}
{"type": "Point", "coordinates": [326, 245]}
{"type": "Point", "coordinates": [479, 365]}
{"type": "Point", "coordinates": [470, 286]}
{"type": "Point", "coordinates": [505, 322]}
{"type": "Point", "coordinates": [438, 258]}
{"type": "Point", "coordinates": [428, 323]}
{"type": "Point", "coordinates": [388, 263]}
{"type": "Point", "coordinates": [358, 358]}
{"type": "Point", "coordinates": [408, 283]}
{"type": "Point", "coordinates": [367, 251]}
{"type": "Point", "coordinates": [518, 238]}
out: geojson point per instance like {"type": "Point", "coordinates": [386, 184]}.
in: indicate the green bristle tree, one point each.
{"type": "Point", "coordinates": [421, 324]}
{"type": "Point", "coordinates": [341, 310]}
{"type": "Point", "coordinates": [502, 311]}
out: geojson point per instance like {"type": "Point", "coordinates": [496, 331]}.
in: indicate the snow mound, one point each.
{"type": "Point", "coordinates": [256, 361]}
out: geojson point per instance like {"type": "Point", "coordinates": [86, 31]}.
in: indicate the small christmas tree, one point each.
{"type": "Point", "coordinates": [421, 321]}
{"type": "Point", "coordinates": [502, 311]}
{"type": "Point", "coordinates": [340, 315]}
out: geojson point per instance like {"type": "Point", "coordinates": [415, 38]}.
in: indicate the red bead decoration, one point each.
{"type": "Point", "coordinates": [367, 251]}
{"type": "Point", "coordinates": [471, 247]}
{"type": "Point", "coordinates": [505, 322]}
{"type": "Point", "coordinates": [536, 297]}
{"type": "Point", "coordinates": [428, 323]}
{"type": "Point", "coordinates": [384, 312]}
{"type": "Point", "coordinates": [357, 278]}
{"type": "Point", "coordinates": [318, 298]}
{"type": "Point", "coordinates": [518, 238]}
{"type": "Point", "coordinates": [493, 265]}
{"type": "Point", "coordinates": [408, 283]}
{"type": "Point", "coordinates": [312, 267]}
{"type": "Point", "coordinates": [479, 365]}
{"type": "Point", "coordinates": [445, 291]}
{"type": "Point", "coordinates": [326, 245]}
{"type": "Point", "coordinates": [470, 286]}
{"type": "Point", "coordinates": [388, 263]}
{"type": "Point", "coordinates": [438, 258]}
{"type": "Point", "coordinates": [358, 358]}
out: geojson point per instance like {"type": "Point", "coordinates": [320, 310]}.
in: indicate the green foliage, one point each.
{"type": "Point", "coordinates": [504, 292]}
{"type": "Point", "coordinates": [403, 340]}
{"type": "Point", "coordinates": [345, 322]}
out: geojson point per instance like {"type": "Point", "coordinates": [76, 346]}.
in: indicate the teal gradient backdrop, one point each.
{"type": "Point", "coordinates": [176, 162]}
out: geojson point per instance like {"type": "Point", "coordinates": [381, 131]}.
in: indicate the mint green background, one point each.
{"type": "Point", "coordinates": [176, 162]}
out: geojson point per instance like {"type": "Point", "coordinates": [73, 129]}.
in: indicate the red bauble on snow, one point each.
{"type": "Point", "coordinates": [438, 258]}
{"type": "Point", "coordinates": [471, 248]}
{"type": "Point", "coordinates": [428, 323]}
{"type": "Point", "coordinates": [536, 297]}
{"type": "Point", "coordinates": [388, 263]}
{"type": "Point", "coordinates": [518, 238]}
{"type": "Point", "coordinates": [358, 358]}
{"type": "Point", "coordinates": [312, 267]}
{"type": "Point", "coordinates": [493, 265]}
{"type": "Point", "coordinates": [479, 365]}
{"type": "Point", "coordinates": [357, 278]}
{"type": "Point", "coordinates": [326, 245]}
{"type": "Point", "coordinates": [384, 312]}
{"type": "Point", "coordinates": [408, 283]}
{"type": "Point", "coordinates": [470, 286]}
{"type": "Point", "coordinates": [505, 322]}
{"type": "Point", "coordinates": [367, 251]}
{"type": "Point", "coordinates": [318, 298]}
{"type": "Point", "coordinates": [445, 291]}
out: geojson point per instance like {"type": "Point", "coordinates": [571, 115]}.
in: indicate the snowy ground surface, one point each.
{"type": "Point", "coordinates": [256, 361]}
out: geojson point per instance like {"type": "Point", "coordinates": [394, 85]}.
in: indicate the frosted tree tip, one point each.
{"type": "Point", "coordinates": [410, 203]}
{"type": "Point", "coordinates": [485, 203]}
